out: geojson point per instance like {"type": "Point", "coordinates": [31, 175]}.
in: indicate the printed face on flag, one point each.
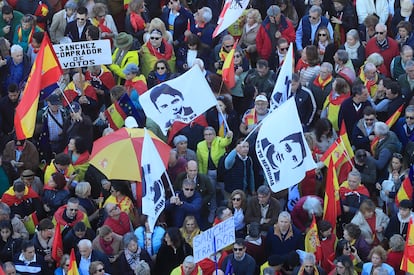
{"type": "Point", "coordinates": [180, 99]}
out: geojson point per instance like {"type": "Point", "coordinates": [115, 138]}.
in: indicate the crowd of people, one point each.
{"type": "Point", "coordinates": [354, 70]}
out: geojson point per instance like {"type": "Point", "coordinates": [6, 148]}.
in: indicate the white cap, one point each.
{"type": "Point", "coordinates": [130, 122]}
{"type": "Point", "coordinates": [261, 98]}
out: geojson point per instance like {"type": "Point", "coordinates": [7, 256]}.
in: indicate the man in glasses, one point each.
{"type": "Point", "coordinates": [363, 132]}
{"type": "Point", "coordinates": [274, 27]}
{"type": "Point", "coordinates": [308, 27]}
{"type": "Point", "coordinates": [76, 30]}
{"type": "Point", "coordinates": [86, 255]}
{"type": "Point", "coordinates": [239, 262]}
{"type": "Point", "coordinates": [222, 52]}
{"type": "Point", "coordinates": [186, 202]}
{"type": "Point", "coordinates": [69, 215]}
{"type": "Point", "coordinates": [404, 128]}
{"type": "Point", "coordinates": [384, 45]}
{"type": "Point", "coordinates": [321, 85]}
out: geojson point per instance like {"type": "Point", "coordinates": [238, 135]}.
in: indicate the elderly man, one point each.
{"type": "Point", "coordinates": [406, 81]}
{"type": "Point", "coordinates": [203, 26]}
{"type": "Point", "coordinates": [117, 219]}
{"type": "Point", "coordinates": [404, 128]}
{"type": "Point", "coordinates": [370, 77]}
{"type": "Point", "coordinates": [86, 255]}
{"type": "Point", "coordinates": [366, 167]}
{"type": "Point", "coordinates": [398, 63]}
{"type": "Point", "coordinates": [262, 208]}
{"type": "Point", "coordinates": [188, 267]}
{"type": "Point", "coordinates": [260, 80]}
{"type": "Point", "coordinates": [343, 66]}
{"type": "Point", "coordinates": [221, 52]}
{"type": "Point", "coordinates": [16, 67]}
{"type": "Point", "coordinates": [384, 45]}
{"type": "Point", "coordinates": [9, 268]}
{"type": "Point", "coordinates": [321, 85]}
{"type": "Point", "coordinates": [239, 262]}
{"type": "Point", "coordinates": [308, 27]}
{"type": "Point", "coordinates": [19, 230]}
{"type": "Point", "coordinates": [187, 202]}
{"type": "Point", "coordinates": [253, 116]}
{"type": "Point", "coordinates": [69, 215]}
{"type": "Point", "coordinates": [277, 240]}
{"type": "Point", "coordinates": [309, 266]}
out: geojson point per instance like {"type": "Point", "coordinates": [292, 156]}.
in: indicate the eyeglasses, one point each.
{"type": "Point", "coordinates": [379, 33]}
{"type": "Point", "coordinates": [114, 208]}
{"type": "Point", "coordinates": [100, 270]}
{"type": "Point", "coordinates": [237, 55]}
{"type": "Point", "coordinates": [73, 210]}
{"type": "Point", "coordinates": [227, 46]}
{"type": "Point", "coordinates": [66, 265]}
{"type": "Point", "coordinates": [155, 38]}
{"type": "Point", "coordinates": [369, 119]}
{"type": "Point", "coordinates": [409, 117]}
{"type": "Point", "coordinates": [322, 34]}
{"type": "Point", "coordinates": [236, 199]}
{"type": "Point", "coordinates": [81, 19]}
{"type": "Point", "coordinates": [308, 266]}
{"type": "Point", "coordinates": [237, 249]}
{"type": "Point", "coordinates": [313, 17]}
{"type": "Point", "coordinates": [284, 49]}
{"type": "Point", "coordinates": [189, 189]}
{"type": "Point", "coordinates": [101, 16]}
{"type": "Point", "coordinates": [160, 68]}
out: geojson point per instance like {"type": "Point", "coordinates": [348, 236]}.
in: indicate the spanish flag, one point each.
{"type": "Point", "coordinates": [312, 243]}
{"type": "Point", "coordinates": [73, 266]}
{"type": "Point", "coordinates": [57, 245]}
{"type": "Point", "coordinates": [45, 72]}
{"type": "Point", "coordinates": [405, 192]}
{"type": "Point", "coordinates": [390, 122]}
{"type": "Point", "coordinates": [228, 69]}
{"type": "Point", "coordinates": [407, 262]}
{"type": "Point", "coordinates": [331, 202]}
{"type": "Point", "coordinates": [115, 116]}
{"type": "Point", "coordinates": [340, 151]}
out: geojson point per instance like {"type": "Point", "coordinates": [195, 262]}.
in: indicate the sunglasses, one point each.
{"type": "Point", "coordinates": [379, 33]}
{"type": "Point", "coordinates": [322, 34]}
{"type": "Point", "coordinates": [189, 189]}
{"type": "Point", "coordinates": [100, 270]}
{"type": "Point", "coordinates": [160, 68]}
{"type": "Point", "coordinates": [409, 117]}
{"type": "Point", "coordinates": [237, 55]}
{"type": "Point", "coordinates": [313, 17]}
{"type": "Point", "coordinates": [155, 38]}
{"type": "Point", "coordinates": [236, 199]}
{"type": "Point", "coordinates": [101, 16]}
{"type": "Point", "coordinates": [284, 49]}
{"type": "Point", "coordinates": [227, 46]}
{"type": "Point", "coordinates": [368, 119]}
{"type": "Point", "coordinates": [81, 19]}
{"type": "Point", "coordinates": [237, 249]}
{"type": "Point", "coordinates": [73, 210]}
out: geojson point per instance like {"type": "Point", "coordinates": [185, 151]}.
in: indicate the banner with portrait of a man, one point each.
{"type": "Point", "coordinates": [179, 99]}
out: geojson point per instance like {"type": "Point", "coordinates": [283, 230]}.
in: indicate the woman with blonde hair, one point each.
{"type": "Point", "coordinates": [158, 24]}
{"type": "Point", "coordinates": [248, 38]}
{"type": "Point", "coordinates": [104, 21]}
{"type": "Point", "coordinates": [190, 229]}
{"type": "Point", "coordinates": [135, 21]}
{"type": "Point", "coordinates": [108, 242]}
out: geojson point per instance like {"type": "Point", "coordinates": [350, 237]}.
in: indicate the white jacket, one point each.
{"type": "Point", "coordinates": [381, 220]}
{"type": "Point", "coordinates": [367, 7]}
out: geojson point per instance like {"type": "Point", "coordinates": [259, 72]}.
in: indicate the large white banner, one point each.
{"type": "Point", "coordinates": [231, 11]}
{"type": "Point", "coordinates": [213, 239]}
{"type": "Point", "coordinates": [153, 193]}
{"type": "Point", "coordinates": [83, 54]}
{"type": "Point", "coordinates": [281, 91]}
{"type": "Point", "coordinates": [179, 99]}
{"type": "Point", "coordinates": [282, 149]}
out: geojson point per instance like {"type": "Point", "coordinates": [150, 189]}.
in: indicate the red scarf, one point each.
{"type": "Point", "coordinates": [370, 84]}
{"type": "Point", "coordinates": [106, 246]}
{"type": "Point", "coordinates": [137, 22]}
{"type": "Point", "coordinates": [318, 82]}
{"type": "Point", "coordinates": [339, 99]}
{"type": "Point", "coordinates": [167, 52]}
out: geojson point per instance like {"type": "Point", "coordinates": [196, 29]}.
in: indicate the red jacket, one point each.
{"type": "Point", "coordinates": [388, 54]}
{"type": "Point", "coordinates": [394, 260]}
{"type": "Point", "coordinates": [263, 41]}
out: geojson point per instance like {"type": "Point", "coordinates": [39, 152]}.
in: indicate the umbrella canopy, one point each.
{"type": "Point", "coordinates": [118, 155]}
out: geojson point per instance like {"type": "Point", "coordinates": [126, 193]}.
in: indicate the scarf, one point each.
{"type": "Point", "coordinates": [319, 82]}
{"type": "Point", "coordinates": [337, 99]}
{"type": "Point", "coordinates": [302, 270]}
{"type": "Point", "coordinates": [132, 258]}
{"type": "Point", "coordinates": [42, 10]}
{"type": "Point", "coordinates": [249, 28]}
{"type": "Point", "coordinates": [372, 85]}
{"type": "Point", "coordinates": [163, 52]}
{"type": "Point", "coordinates": [194, 272]}
{"type": "Point", "coordinates": [352, 50]}
{"type": "Point", "coordinates": [322, 47]}
{"type": "Point", "coordinates": [382, 45]}
{"type": "Point", "coordinates": [20, 34]}
{"type": "Point", "coordinates": [107, 246]}
{"type": "Point", "coordinates": [137, 22]}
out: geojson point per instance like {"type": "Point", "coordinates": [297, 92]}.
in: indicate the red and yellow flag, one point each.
{"type": "Point", "coordinates": [73, 266]}
{"type": "Point", "coordinates": [312, 243]}
{"type": "Point", "coordinates": [57, 245]}
{"type": "Point", "coordinates": [331, 202]}
{"type": "Point", "coordinates": [405, 192]}
{"type": "Point", "coordinates": [407, 262]}
{"type": "Point", "coordinates": [340, 151]}
{"type": "Point", "coordinates": [228, 69]}
{"type": "Point", "coordinates": [45, 72]}
{"type": "Point", "coordinates": [390, 122]}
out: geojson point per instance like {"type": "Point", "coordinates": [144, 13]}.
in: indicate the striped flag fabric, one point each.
{"type": "Point", "coordinates": [407, 262]}
{"type": "Point", "coordinates": [73, 266]}
{"type": "Point", "coordinates": [331, 202]}
{"type": "Point", "coordinates": [57, 245]}
{"type": "Point", "coordinates": [228, 69]}
{"type": "Point", "coordinates": [405, 192]}
{"type": "Point", "coordinates": [45, 72]}
{"type": "Point", "coordinates": [312, 243]}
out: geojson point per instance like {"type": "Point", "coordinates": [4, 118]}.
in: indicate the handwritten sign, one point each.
{"type": "Point", "coordinates": [83, 54]}
{"type": "Point", "coordinates": [222, 233]}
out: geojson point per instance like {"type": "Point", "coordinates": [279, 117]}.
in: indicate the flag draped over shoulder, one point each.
{"type": "Point", "coordinates": [230, 12]}
{"type": "Point", "coordinates": [405, 192]}
{"type": "Point", "coordinates": [45, 73]}
{"type": "Point", "coordinates": [281, 91]}
{"type": "Point", "coordinates": [73, 266]}
{"type": "Point", "coordinates": [312, 243]}
{"type": "Point", "coordinates": [57, 245]}
{"type": "Point", "coordinates": [153, 193]}
{"type": "Point", "coordinates": [407, 263]}
{"type": "Point", "coordinates": [180, 99]}
{"type": "Point", "coordinates": [227, 72]}
{"type": "Point", "coordinates": [283, 154]}
{"type": "Point", "coordinates": [331, 202]}
{"type": "Point", "coordinates": [390, 122]}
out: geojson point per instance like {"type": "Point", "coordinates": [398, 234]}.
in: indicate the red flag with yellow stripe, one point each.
{"type": "Point", "coordinates": [73, 266]}
{"type": "Point", "coordinates": [312, 243]}
{"type": "Point", "coordinates": [407, 262]}
{"type": "Point", "coordinates": [228, 69]}
{"type": "Point", "coordinates": [331, 202]}
{"type": "Point", "coordinates": [405, 192]}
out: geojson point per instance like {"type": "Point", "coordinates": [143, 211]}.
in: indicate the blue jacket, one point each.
{"type": "Point", "coordinates": [156, 238]}
{"type": "Point", "coordinates": [180, 23]}
{"type": "Point", "coordinates": [305, 38]}
{"type": "Point", "coordinates": [190, 206]}
{"type": "Point", "coordinates": [367, 267]}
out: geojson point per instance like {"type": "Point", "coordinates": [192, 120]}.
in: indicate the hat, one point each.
{"type": "Point", "coordinates": [54, 99]}
{"type": "Point", "coordinates": [406, 7]}
{"type": "Point", "coordinates": [27, 173]}
{"type": "Point", "coordinates": [75, 106]}
{"type": "Point", "coordinates": [275, 260]}
{"type": "Point", "coordinates": [260, 98]}
{"type": "Point", "coordinates": [273, 10]}
{"type": "Point", "coordinates": [179, 138]}
{"type": "Point", "coordinates": [123, 40]}
{"type": "Point", "coordinates": [407, 204]}
{"type": "Point", "coordinates": [131, 68]}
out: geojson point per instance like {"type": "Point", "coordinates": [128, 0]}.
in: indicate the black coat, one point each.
{"type": "Point", "coordinates": [122, 266]}
{"type": "Point", "coordinates": [97, 256]}
{"type": "Point", "coordinates": [72, 31]}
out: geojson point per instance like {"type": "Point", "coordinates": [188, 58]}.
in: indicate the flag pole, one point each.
{"type": "Point", "coordinates": [224, 118]}
{"type": "Point", "coordinates": [169, 183]}
{"type": "Point", "coordinates": [346, 153]}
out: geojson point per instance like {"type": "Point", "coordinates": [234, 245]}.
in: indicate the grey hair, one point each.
{"type": "Point", "coordinates": [409, 64]}
{"type": "Point", "coordinates": [397, 243]}
{"type": "Point", "coordinates": [382, 25]}
{"type": "Point", "coordinates": [313, 206]}
{"type": "Point", "coordinates": [354, 33]}
{"type": "Point", "coordinates": [309, 257]}
{"type": "Point", "coordinates": [327, 66]}
{"type": "Point", "coordinates": [406, 48]}
{"type": "Point", "coordinates": [16, 48]}
{"type": "Point", "coordinates": [284, 214]}
{"type": "Point", "coordinates": [189, 260]}
{"type": "Point", "coordinates": [369, 66]}
{"type": "Point", "coordinates": [4, 209]}
{"type": "Point", "coordinates": [355, 173]}
{"type": "Point", "coordinates": [209, 128]}
{"type": "Point", "coordinates": [380, 128]}
{"type": "Point", "coordinates": [207, 14]}
{"type": "Point", "coordinates": [85, 243]}
{"type": "Point", "coordinates": [263, 190]}
{"type": "Point", "coordinates": [316, 8]}
{"type": "Point", "coordinates": [376, 59]}
{"type": "Point", "coordinates": [342, 55]}
{"type": "Point", "coordinates": [409, 109]}
{"type": "Point", "coordinates": [128, 237]}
